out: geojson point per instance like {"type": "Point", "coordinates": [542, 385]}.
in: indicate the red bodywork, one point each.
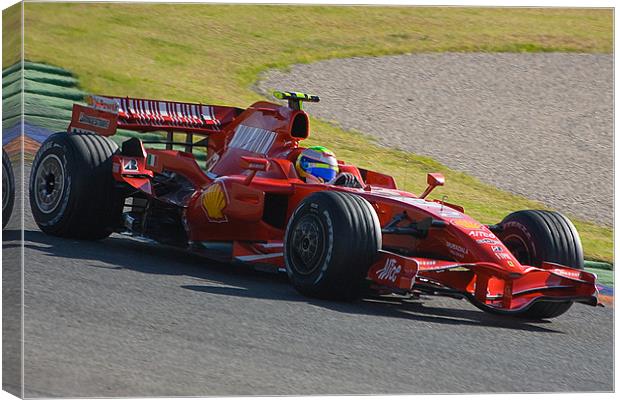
{"type": "Point", "coordinates": [247, 190]}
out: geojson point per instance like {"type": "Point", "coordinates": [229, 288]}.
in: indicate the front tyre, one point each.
{"type": "Point", "coordinates": [536, 236]}
{"type": "Point", "coordinates": [71, 187]}
{"type": "Point", "coordinates": [8, 189]}
{"type": "Point", "coordinates": [331, 241]}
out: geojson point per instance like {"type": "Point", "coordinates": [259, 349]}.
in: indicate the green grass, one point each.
{"type": "Point", "coordinates": [605, 277]}
{"type": "Point", "coordinates": [214, 53]}
{"type": "Point", "coordinates": [11, 35]}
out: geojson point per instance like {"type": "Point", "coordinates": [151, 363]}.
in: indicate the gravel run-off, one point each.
{"type": "Point", "coordinates": [538, 125]}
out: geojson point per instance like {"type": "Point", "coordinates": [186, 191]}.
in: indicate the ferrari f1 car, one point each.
{"type": "Point", "coordinates": [247, 203]}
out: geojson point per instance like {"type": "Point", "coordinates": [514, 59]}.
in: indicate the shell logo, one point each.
{"type": "Point", "coordinates": [463, 223]}
{"type": "Point", "coordinates": [214, 202]}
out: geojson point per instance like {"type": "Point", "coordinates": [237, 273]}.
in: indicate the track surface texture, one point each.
{"type": "Point", "coordinates": [123, 318]}
{"type": "Point", "coordinates": [539, 125]}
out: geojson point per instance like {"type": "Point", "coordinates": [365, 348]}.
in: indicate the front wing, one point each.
{"type": "Point", "coordinates": [485, 284]}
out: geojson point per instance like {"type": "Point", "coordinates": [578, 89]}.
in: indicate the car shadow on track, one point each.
{"type": "Point", "coordinates": [385, 306]}
{"type": "Point", "coordinates": [11, 238]}
{"type": "Point", "coordinates": [118, 253]}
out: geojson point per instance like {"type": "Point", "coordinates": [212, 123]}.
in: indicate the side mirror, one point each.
{"type": "Point", "coordinates": [253, 164]}
{"type": "Point", "coordinates": [433, 180]}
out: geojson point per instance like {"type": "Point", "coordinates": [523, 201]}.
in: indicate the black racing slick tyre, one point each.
{"type": "Point", "coordinates": [72, 189]}
{"type": "Point", "coordinates": [533, 237]}
{"type": "Point", "coordinates": [331, 241]}
{"type": "Point", "coordinates": [8, 189]}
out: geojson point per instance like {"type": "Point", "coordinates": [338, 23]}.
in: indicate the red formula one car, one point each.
{"type": "Point", "coordinates": [247, 202]}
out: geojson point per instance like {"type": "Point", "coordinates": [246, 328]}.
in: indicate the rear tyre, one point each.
{"type": "Point", "coordinates": [533, 237]}
{"type": "Point", "coordinates": [331, 241]}
{"type": "Point", "coordinates": [8, 189]}
{"type": "Point", "coordinates": [71, 187]}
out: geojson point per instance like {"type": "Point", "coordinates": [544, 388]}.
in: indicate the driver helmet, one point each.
{"type": "Point", "coordinates": [317, 161]}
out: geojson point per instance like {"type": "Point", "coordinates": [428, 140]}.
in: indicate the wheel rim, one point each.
{"type": "Point", "coordinates": [307, 245]}
{"type": "Point", "coordinates": [5, 187]}
{"type": "Point", "coordinates": [517, 246]}
{"type": "Point", "coordinates": [49, 184]}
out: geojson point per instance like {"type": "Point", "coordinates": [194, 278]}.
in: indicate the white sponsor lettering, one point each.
{"type": "Point", "coordinates": [418, 202]}
{"type": "Point", "coordinates": [211, 161]}
{"type": "Point", "coordinates": [390, 271]}
{"type": "Point", "coordinates": [103, 103]}
{"type": "Point", "coordinates": [456, 247]}
{"type": "Point", "coordinates": [483, 234]}
{"type": "Point", "coordinates": [487, 241]}
{"type": "Point", "coordinates": [451, 214]}
{"type": "Point", "coordinates": [567, 273]}
{"type": "Point", "coordinates": [94, 121]}
{"type": "Point", "coordinates": [252, 139]}
{"type": "Point", "coordinates": [130, 165]}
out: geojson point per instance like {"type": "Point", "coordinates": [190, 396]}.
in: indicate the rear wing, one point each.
{"type": "Point", "coordinates": [104, 115]}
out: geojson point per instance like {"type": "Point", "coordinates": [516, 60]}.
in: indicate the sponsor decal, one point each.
{"type": "Point", "coordinates": [390, 270]}
{"type": "Point", "coordinates": [102, 103]}
{"type": "Point", "coordinates": [419, 202]}
{"type": "Point", "coordinates": [130, 165]}
{"type": "Point", "coordinates": [482, 234]}
{"type": "Point", "coordinates": [212, 161]}
{"type": "Point", "coordinates": [213, 203]}
{"type": "Point", "coordinates": [450, 214]}
{"type": "Point", "coordinates": [497, 249]}
{"type": "Point", "coordinates": [427, 262]}
{"type": "Point", "coordinates": [255, 140]}
{"type": "Point", "coordinates": [256, 166]}
{"type": "Point", "coordinates": [456, 250]}
{"type": "Point", "coordinates": [511, 263]}
{"type": "Point", "coordinates": [486, 240]}
{"type": "Point", "coordinates": [567, 273]}
{"type": "Point", "coordinates": [94, 121]}
{"type": "Point", "coordinates": [465, 223]}
{"type": "Point", "coordinates": [503, 256]}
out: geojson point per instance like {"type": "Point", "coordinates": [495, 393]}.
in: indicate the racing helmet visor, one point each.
{"type": "Point", "coordinates": [318, 169]}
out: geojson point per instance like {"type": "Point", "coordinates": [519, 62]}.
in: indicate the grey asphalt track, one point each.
{"type": "Point", "coordinates": [122, 318]}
